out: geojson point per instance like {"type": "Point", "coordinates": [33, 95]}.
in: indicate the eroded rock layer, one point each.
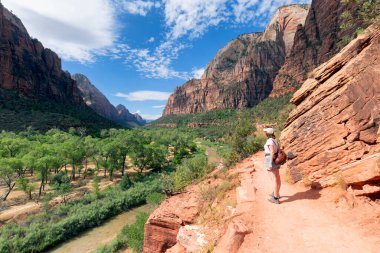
{"type": "Point", "coordinates": [334, 131]}
{"type": "Point", "coordinates": [164, 223]}
{"type": "Point", "coordinates": [314, 43]}
{"type": "Point", "coordinates": [242, 73]}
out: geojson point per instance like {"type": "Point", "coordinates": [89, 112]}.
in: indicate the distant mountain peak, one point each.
{"type": "Point", "coordinates": [121, 107]}
{"type": "Point", "coordinates": [100, 104]}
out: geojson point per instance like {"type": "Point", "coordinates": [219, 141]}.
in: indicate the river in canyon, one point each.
{"type": "Point", "coordinates": [96, 237]}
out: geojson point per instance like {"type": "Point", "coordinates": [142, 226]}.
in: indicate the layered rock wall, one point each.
{"type": "Point", "coordinates": [314, 43]}
{"type": "Point", "coordinates": [334, 131]}
{"type": "Point", "coordinates": [242, 73]}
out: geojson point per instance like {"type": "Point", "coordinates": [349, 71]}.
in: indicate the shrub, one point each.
{"type": "Point", "coordinates": [190, 169]}
{"type": "Point", "coordinates": [155, 198]}
{"type": "Point", "coordinates": [365, 13]}
{"type": "Point", "coordinates": [135, 233]}
{"type": "Point", "coordinates": [125, 183]}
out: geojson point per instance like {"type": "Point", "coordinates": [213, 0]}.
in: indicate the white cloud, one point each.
{"type": "Point", "coordinates": [158, 106]}
{"type": "Point", "coordinates": [156, 63]}
{"type": "Point", "coordinates": [139, 7]}
{"type": "Point", "coordinates": [76, 30]}
{"type": "Point", "coordinates": [242, 10]}
{"type": "Point", "coordinates": [193, 17]}
{"type": "Point", "coordinates": [144, 95]}
{"type": "Point", "coordinates": [197, 73]}
{"type": "Point", "coordinates": [258, 12]}
{"type": "Point", "coordinates": [83, 30]}
{"type": "Point", "coordinates": [149, 116]}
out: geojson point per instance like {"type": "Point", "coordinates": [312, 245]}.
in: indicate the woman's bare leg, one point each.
{"type": "Point", "coordinates": [277, 180]}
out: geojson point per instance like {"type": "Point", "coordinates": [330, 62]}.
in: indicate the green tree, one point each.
{"type": "Point", "coordinates": [25, 185]}
{"type": "Point", "coordinates": [8, 167]}
{"type": "Point", "coordinates": [45, 161]}
{"type": "Point", "coordinates": [95, 185]}
{"type": "Point", "coordinates": [74, 152]}
{"type": "Point", "coordinates": [11, 144]}
{"type": "Point", "coordinates": [241, 136]}
{"type": "Point", "coordinates": [152, 156]}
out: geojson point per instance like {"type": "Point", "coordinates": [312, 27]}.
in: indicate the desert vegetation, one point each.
{"type": "Point", "coordinates": [364, 12]}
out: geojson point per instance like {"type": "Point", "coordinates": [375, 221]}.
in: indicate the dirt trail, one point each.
{"type": "Point", "coordinates": [304, 221]}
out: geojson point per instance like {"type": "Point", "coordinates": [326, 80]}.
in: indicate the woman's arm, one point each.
{"type": "Point", "coordinates": [271, 155]}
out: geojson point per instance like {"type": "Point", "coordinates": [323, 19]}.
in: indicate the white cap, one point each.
{"type": "Point", "coordinates": [269, 130]}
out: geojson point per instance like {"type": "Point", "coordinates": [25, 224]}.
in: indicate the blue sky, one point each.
{"type": "Point", "coordinates": [137, 51]}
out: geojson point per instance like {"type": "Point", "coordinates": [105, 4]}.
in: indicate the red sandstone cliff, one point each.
{"type": "Point", "coordinates": [30, 69]}
{"type": "Point", "coordinates": [314, 43]}
{"type": "Point", "coordinates": [242, 73]}
{"type": "Point", "coordinates": [334, 132]}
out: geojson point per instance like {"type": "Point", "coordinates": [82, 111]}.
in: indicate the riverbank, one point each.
{"type": "Point", "coordinates": [94, 238]}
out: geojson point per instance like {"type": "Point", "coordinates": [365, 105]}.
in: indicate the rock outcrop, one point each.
{"type": "Point", "coordinates": [314, 43]}
{"type": "Point", "coordinates": [100, 104]}
{"type": "Point", "coordinates": [242, 73]}
{"type": "Point", "coordinates": [30, 69]}
{"type": "Point", "coordinates": [334, 131]}
{"type": "Point", "coordinates": [164, 223]}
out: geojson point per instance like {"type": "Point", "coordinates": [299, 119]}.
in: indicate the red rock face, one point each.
{"type": "Point", "coordinates": [28, 68]}
{"type": "Point", "coordinates": [334, 131]}
{"type": "Point", "coordinates": [314, 43]}
{"type": "Point", "coordinates": [242, 73]}
{"type": "Point", "coordinates": [164, 223]}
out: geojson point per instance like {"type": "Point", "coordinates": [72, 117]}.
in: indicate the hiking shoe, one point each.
{"type": "Point", "coordinates": [272, 195]}
{"type": "Point", "coordinates": [274, 200]}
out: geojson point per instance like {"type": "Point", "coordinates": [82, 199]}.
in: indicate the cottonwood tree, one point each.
{"type": "Point", "coordinates": [26, 186]}
{"type": "Point", "coordinates": [74, 151]}
{"type": "Point", "coordinates": [45, 161]}
{"type": "Point", "coordinates": [8, 166]}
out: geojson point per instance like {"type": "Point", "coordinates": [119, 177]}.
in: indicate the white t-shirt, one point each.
{"type": "Point", "coordinates": [272, 142]}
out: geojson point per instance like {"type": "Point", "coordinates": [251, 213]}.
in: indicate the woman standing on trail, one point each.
{"type": "Point", "coordinates": [271, 148]}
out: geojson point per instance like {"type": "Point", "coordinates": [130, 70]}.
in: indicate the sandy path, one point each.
{"type": "Point", "coordinates": [303, 222]}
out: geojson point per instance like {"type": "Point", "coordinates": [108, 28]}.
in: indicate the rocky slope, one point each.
{"type": "Point", "coordinates": [314, 43]}
{"type": "Point", "coordinates": [242, 73]}
{"type": "Point", "coordinates": [30, 69]}
{"type": "Point", "coordinates": [334, 131]}
{"type": "Point", "coordinates": [100, 104]}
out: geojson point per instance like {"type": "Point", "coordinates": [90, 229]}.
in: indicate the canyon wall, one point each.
{"type": "Point", "coordinates": [315, 42]}
{"type": "Point", "coordinates": [242, 73]}
{"type": "Point", "coordinates": [30, 69]}
{"type": "Point", "coordinates": [334, 132]}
